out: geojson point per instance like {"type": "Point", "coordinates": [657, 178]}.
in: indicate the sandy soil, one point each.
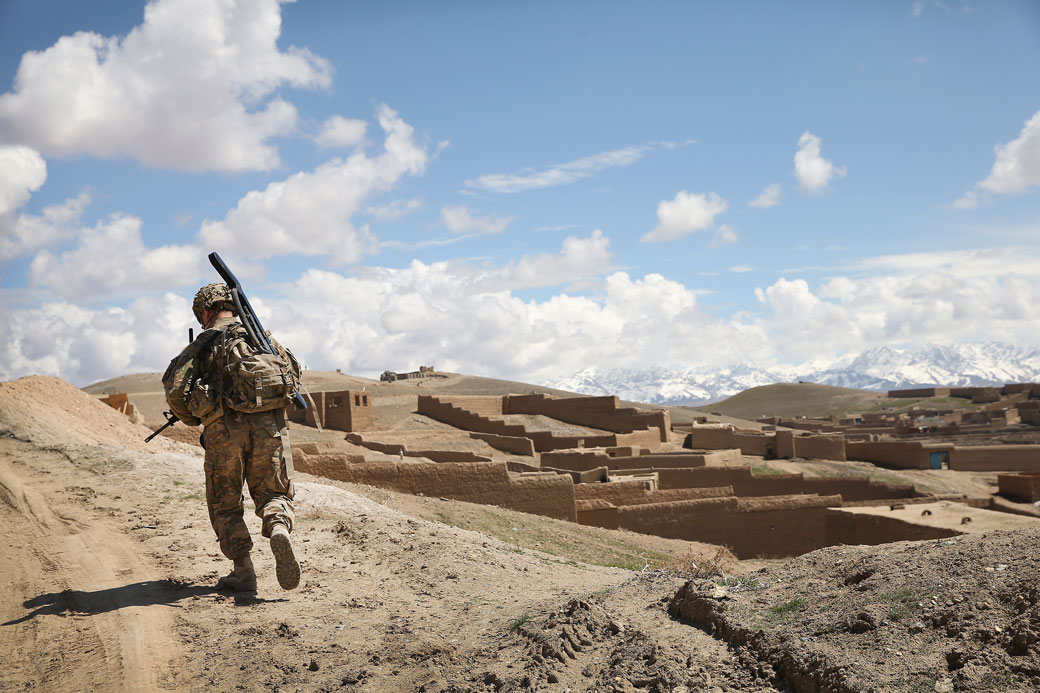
{"type": "Point", "coordinates": [108, 562]}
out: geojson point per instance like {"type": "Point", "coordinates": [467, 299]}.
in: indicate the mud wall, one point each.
{"type": "Point", "coordinates": [634, 493]}
{"type": "Point", "coordinates": [746, 483]}
{"type": "Point", "coordinates": [752, 528]}
{"type": "Point", "coordinates": [490, 483]}
{"type": "Point", "coordinates": [907, 454]}
{"type": "Point", "coordinates": [822, 447]}
{"type": "Point", "coordinates": [449, 410]}
{"type": "Point", "coordinates": [921, 392]}
{"type": "Point", "coordinates": [517, 445]}
{"type": "Point", "coordinates": [863, 528]}
{"type": "Point", "coordinates": [430, 454]}
{"type": "Point", "coordinates": [595, 412]}
{"type": "Point", "coordinates": [994, 458]}
{"type": "Point", "coordinates": [1021, 487]}
{"type": "Point", "coordinates": [710, 437]}
{"type": "Point", "coordinates": [578, 460]}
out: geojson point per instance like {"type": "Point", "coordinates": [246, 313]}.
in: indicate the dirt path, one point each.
{"type": "Point", "coordinates": [82, 610]}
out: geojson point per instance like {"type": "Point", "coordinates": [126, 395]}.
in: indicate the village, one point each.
{"type": "Point", "coordinates": [591, 461]}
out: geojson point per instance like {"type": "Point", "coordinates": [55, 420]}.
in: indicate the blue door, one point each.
{"type": "Point", "coordinates": [937, 459]}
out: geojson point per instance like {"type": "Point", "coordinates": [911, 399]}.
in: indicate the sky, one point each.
{"type": "Point", "coordinates": [518, 190]}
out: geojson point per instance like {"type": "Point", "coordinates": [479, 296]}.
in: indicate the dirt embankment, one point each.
{"type": "Point", "coordinates": [953, 614]}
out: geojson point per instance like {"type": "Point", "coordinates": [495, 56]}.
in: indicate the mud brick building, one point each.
{"type": "Point", "coordinates": [345, 410]}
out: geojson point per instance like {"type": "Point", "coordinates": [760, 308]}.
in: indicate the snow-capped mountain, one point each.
{"type": "Point", "coordinates": [878, 369]}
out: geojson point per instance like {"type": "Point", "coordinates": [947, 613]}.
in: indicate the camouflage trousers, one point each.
{"type": "Point", "coordinates": [246, 448]}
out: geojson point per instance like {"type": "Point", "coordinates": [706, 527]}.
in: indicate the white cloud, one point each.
{"type": "Point", "coordinates": [1016, 169]}
{"type": "Point", "coordinates": [562, 174]}
{"type": "Point", "coordinates": [684, 214]}
{"type": "Point", "coordinates": [457, 321]}
{"type": "Point", "coordinates": [395, 210]}
{"type": "Point", "coordinates": [725, 234]}
{"type": "Point", "coordinates": [22, 172]}
{"type": "Point", "coordinates": [467, 317]}
{"type": "Point", "coordinates": [310, 213]}
{"type": "Point", "coordinates": [189, 88]}
{"type": "Point", "coordinates": [810, 168]}
{"type": "Point", "coordinates": [578, 258]}
{"type": "Point", "coordinates": [961, 296]}
{"type": "Point", "coordinates": [741, 269]}
{"type": "Point", "coordinates": [770, 197]}
{"type": "Point", "coordinates": [85, 346]}
{"type": "Point", "coordinates": [26, 232]}
{"type": "Point", "coordinates": [112, 259]}
{"type": "Point", "coordinates": [459, 219]}
{"type": "Point", "coordinates": [338, 131]}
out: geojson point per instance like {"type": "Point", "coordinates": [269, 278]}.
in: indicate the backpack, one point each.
{"type": "Point", "coordinates": [252, 381]}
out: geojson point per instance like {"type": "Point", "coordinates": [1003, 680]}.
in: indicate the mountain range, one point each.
{"type": "Point", "coordinates": [878, 369]}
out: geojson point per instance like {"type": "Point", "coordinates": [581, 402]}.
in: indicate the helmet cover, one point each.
{"type": "Point", "coordinates": [212, 297]}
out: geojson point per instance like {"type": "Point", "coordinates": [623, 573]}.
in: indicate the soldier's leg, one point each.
{"type": "Point", "coordinates": [267, 473]}
{"type": "Point", "coordinates": [270, 484]}
{"type": "Point", "coordinates": [225, 473]}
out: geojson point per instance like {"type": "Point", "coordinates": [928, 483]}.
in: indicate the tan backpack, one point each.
{"type": "Point", "coordinates": [251, 380]}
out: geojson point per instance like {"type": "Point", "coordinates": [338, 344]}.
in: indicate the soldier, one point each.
{"type": "Point", "coordinates": [240, 447]}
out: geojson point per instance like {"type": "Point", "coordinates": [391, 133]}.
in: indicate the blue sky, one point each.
{"type": "Point", "coordinates": [518, 190]}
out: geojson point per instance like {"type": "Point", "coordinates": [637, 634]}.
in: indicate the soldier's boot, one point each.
{"type": "Point", "coordinates": [241, 579]}
{"type": "Point", "coordinates": [286, 566]}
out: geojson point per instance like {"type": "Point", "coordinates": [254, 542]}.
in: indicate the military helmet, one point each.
{"type": "Point", "coordinates": [212, 297]}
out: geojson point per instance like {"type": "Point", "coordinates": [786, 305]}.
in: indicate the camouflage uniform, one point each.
{"type": "Point", "coordinates": [240, 447]}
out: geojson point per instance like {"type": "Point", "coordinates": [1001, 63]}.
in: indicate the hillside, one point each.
{"type": "Point", "coordinates": [796, 399]}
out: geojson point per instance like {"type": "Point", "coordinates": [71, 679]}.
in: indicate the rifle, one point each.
{"type": "Point", "coordinates": [247, 316]}
{"type": "Point", "coordinates": [171, 419]}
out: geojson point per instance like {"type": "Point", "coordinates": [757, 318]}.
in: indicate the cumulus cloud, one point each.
{"type": "Point", "coordinates": [459, 219]}
{"type": "Point", "coordinates": [579, 258]}
{"type": "Point", "coordinates": [22, 172]}
{"type": "Point", "coordinates": [84, 346]}
{"type": "Point", "coordinates": [979, 295]}
{"type": "Point", "coordinates": [569, 172]}
{"type": "Point", "coordinates": [770, 197]}
{"type": "Point", "coordinates": [1016, 169]}
{"type": "Point", "coordinates": [189, 88]}
{"type": "Point", "coordinates": [810, 168]}
{"type": "Point", "coordinates": [433, 314]}
{"type": "Point", "coordinates": [684, 214]}
{"type": "Point", "coordinates": [111, 259]}
{"type": "Point", "coordinates": [26, 232]}
{"type": "Point", "coordinates": [338, 131]}
{"type": "Point", "coordinates": [310, 213]}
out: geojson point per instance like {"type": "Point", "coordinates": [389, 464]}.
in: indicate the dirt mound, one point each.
{"type": "Point", "coordinates": [953, 614]}
{"type": "Point", "coordinates": [50, 412]}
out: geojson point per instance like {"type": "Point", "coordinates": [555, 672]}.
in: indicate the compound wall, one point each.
{"type": "Point", "coordinates": [595, 412]}
{"type": "Point", "coordinates": [1020, 487]}
{"type": "Point", "coordinates": [578, 460]}
{"type": "Point", "coordinates": [752, 528]}
{"type": "Point", "coordinates": [454, 411]}
{"type": "Point", "coordinates": [996, 458]}
{"type": "Point", "coordinates": [857, 528]}
{"type": "Point", "coordinates": [490, 483]}
{"type": "Point", "coordinates": [746, 483]}
{"type": "Point", "coordinates": [783, 444]}
{"type": "Point", "coordinates": [908, 454]}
